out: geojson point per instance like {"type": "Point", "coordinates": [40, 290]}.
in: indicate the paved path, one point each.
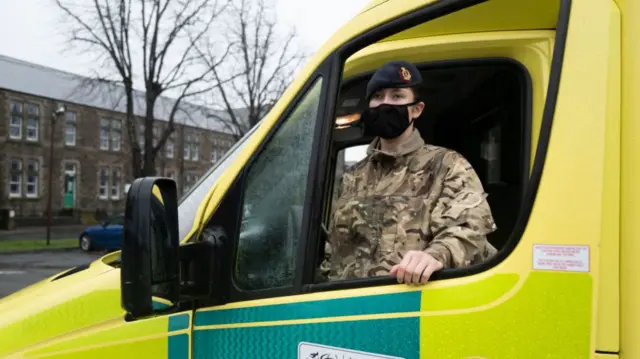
{"type": "Point", "coordinates": [21, 270]}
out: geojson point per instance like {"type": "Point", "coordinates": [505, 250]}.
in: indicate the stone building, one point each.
{"type": "Point", "coordinates": [91, 157]}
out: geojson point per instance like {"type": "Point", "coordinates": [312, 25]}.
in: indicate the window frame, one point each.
{"type": "Point", "coordinates": [36, 173]}
{"type": "Point", "coordinates": [195, 147]}
{"type": "Point", "coordinates": [70, 122]}
{"type": "Point", "coordinates": [104, 125]}
{"type": "Point", "coordinates": [36, 128]}
{"type": "Point", "coordinates": [13, 116]}
{"type": "Point", "coordinates": [25, 116]}
{"type": "Point", "coordinates": [19, 173]}
{"type": "Point", "coordinates": [316, 85]}
{"type": "Point", "coordinates": [116, 174]}
{"type": "Point", "coordinates": [107, 187]}
{"type": "Point", "coordinates": [112, 131]}
{"type": "Point", "coordinates": [35, 117]}
{"type": "Point", "coordinates": [186, 145]}
{"type": "Point", "coordinates": [234, 198]}
{"type": "Point", "coordinates": [526, 117]}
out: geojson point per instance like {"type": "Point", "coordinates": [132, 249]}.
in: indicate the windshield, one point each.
{"type": "Point", "coordinates": [190, 201]}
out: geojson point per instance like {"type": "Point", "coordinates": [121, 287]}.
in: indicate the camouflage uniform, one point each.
{"type": "Point", "coordinates": [423, 197]}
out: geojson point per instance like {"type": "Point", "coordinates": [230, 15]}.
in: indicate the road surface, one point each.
{"type": "Point", "coordinates": [21, 270]}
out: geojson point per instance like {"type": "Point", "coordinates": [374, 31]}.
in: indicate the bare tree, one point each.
{"type": "Point", "coordinates": [260, 66]}
{"type": "Point", "coordinates": [167, 32]}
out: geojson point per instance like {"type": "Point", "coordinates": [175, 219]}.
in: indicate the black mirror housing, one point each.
{"type": "Point", "coordinates": [149, 273]}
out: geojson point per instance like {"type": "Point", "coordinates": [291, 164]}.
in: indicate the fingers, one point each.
{"type": "Point", "coordinates": [415, 268]}
{"type": "Point", "coordinates": [432, 267]}
{"type": "Point", "coordinates": [403, 265]}
{"type": "Point", "coordinates": [394, 269]}
{"type": "Point", "coordinates": [419, 269]}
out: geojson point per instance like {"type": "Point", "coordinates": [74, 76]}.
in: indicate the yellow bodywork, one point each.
{"type": "Point", "coordinates": [588, 195]}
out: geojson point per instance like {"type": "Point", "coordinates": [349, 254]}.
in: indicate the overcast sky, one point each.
{"type": "Point", "coordinates": [29, 28]}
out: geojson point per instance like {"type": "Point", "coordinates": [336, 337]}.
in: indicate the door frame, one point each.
{"type": "Point", "coordinates": [321, 171]}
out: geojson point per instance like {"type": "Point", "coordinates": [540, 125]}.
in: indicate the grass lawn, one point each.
{"type": "Point", "coordinates": [36, 244]}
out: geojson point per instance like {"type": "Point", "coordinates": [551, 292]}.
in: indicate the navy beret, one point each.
{"type": "Point", "coordinates": [394, 74]}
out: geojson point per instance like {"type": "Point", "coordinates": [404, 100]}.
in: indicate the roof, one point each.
{"type": "Point", "coordinates": [29, 78]}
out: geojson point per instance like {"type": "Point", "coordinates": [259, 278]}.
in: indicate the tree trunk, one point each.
{"type": "Point", "coordinates": [149, 167]}
{"type": "Point", "coordinates": [130, 123]}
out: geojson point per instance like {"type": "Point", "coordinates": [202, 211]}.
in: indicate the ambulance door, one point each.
{"type": "Point", "coordinates": [536, 298]}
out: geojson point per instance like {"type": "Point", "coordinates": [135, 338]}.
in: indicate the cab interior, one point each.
{"type": "Point", "coordinates": [479, 108]}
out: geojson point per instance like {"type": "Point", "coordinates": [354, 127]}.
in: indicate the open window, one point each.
{"type": "Point", "coordinates": [479, 108]}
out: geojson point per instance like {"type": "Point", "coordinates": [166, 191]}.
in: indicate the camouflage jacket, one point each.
{"type": "Point", "coordinates": [423, 197]}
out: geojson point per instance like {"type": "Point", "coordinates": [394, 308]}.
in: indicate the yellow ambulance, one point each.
{"type": "Point", "coordinates": [541, 96]}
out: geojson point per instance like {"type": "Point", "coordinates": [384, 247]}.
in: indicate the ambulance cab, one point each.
{"type": "Point", "coordinates": [540, 96]}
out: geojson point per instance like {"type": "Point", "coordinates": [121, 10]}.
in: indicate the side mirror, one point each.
{"type": "Point", "coordinates": [149, 272]}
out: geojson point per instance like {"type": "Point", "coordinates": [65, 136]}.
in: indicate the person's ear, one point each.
{"type": "Point", "coordinates": [416, 110]}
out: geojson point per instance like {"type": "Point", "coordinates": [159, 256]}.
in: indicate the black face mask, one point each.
{"type": "Point", "coordinates": [386, 121]}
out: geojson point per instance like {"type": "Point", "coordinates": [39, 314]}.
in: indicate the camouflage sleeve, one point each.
{"type": "Point", "coordinates": [461, 218]}
{"type": "Point", "coordinates": [339, 230]}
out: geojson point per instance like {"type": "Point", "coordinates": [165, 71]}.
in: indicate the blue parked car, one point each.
{"type": "Point", "coordinates": [106, 235]}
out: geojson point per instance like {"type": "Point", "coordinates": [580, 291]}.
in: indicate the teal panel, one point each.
{"type": "Point", "coordinates": [158, 305]}
{"type": "Point", "coordinates": [395, 337]}
{"type": "Point", "coordinates": [178, 322]}
{"type": "Point", "coordinates": [374, 304]}
{"type": "Point", "coordinates": [179, 346]}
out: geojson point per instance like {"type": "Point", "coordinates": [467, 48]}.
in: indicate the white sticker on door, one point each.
{"type": "Point", "coordinates": [318, 351]}
{"type": "Point", "coordinates": [561, 258]}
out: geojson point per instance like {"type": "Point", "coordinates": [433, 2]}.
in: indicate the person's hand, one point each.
{"type": "Point", "coordinates": [416, 268]}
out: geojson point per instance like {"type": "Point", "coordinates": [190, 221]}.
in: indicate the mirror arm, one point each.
{"type": "Point", "coordinates": [201, 267]}
{"type": "Point", "coordinates": [196, 270]}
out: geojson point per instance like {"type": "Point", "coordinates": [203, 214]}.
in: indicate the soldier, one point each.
{"type": "Point", "coordinates": [409, 208]}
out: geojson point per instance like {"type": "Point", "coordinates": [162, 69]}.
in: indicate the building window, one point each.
{"type": "Point", "coordinates": [187, 147]}
{"type": "Point", "coordinates": [15, 178]}
{"type": "Point", "coordinates": [214, 153]}
{"type": "Point", "coordinates": [104, 183]}
{"type": "Point", "coordinates": [110, 134]}
{"type": "Point", "coordinates": [15, 130]}
{"type": "Point", "coordinates": [171, 174]}
{"type": "Point", "coordinates": [116, 134]}
{"type": "Point", "coordinates": [192, 146]}
{"type": "Point", "coordinates": [70, 129]}
{"type": "Point", "coordinates": [17, 121]}
{"type": "Point", "coordinates": [33, 122]}
{"type": "Point", "coordinates": [195, 147]}
{"type": "Point", "coordinates": [170, 148]}
{"type": "Point", "coordinates": [33, 176]}
{"type": "Point", "coordinates": [218, 149]}
{"type": "Point", "coordinates": [70, 135]}
{"type": "Point", "coordinates": [115, 184]}
{"type": "Point", "coordinates": [104, 134]}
